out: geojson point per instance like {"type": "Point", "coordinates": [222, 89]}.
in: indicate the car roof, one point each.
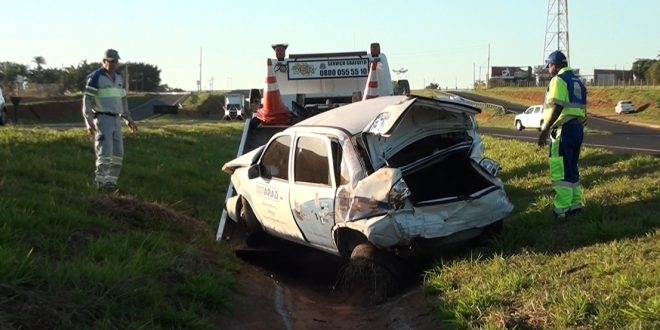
{"type": "Point", "coordinates": [354, 117]}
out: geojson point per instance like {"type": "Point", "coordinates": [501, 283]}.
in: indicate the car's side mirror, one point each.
{"type": "Point", "coordinates": [253, 171]}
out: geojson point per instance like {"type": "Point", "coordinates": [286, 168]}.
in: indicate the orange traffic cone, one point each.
{"type": "Point", "coordinates": [274, 112]}
{"type": "Point", "coordinates": [371, 90]}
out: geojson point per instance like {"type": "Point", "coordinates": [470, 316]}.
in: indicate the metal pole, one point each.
{"type": "Point", "coordinates": [200, 70]}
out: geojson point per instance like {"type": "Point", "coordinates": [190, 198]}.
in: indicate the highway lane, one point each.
{"type": "Point", "coordinates": [619, 137]}
{"type": "Point", "coordinates": [146, 110]}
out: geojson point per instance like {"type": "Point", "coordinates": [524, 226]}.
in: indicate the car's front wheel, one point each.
{"type": "Point", "coordinates": [254, 232]}
{"type": "Point", "coordinates": [519, 125]}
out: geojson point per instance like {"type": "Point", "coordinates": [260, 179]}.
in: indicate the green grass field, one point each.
{"type": "Point", "coordinates": [72, 257]}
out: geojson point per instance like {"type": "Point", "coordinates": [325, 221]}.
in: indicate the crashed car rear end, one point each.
{"type": "Point", "coordinates": [391, 172]}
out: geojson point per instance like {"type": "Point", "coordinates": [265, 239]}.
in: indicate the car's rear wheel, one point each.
{"type": "Point", "coordinates": [382, 271]}
{"type": "Point", "coordinates": [541, 125]}
{"type": "Point", "coordinates": [519, 125]}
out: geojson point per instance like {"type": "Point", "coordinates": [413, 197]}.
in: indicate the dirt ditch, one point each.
{"type": "Point", "coordinates": [286, 286]}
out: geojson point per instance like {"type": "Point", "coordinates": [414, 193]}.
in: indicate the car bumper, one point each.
{"type": "Point", "coordinates": [402, 227]}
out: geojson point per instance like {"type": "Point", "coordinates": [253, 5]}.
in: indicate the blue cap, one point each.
{"type": "Point", "coordinates": [556, 57]}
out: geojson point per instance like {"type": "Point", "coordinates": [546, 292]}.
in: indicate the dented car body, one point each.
{"type": "Point", "coordinates": [394, 171]}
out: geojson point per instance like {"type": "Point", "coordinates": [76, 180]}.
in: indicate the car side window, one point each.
{"type": "Point", "coordinates": [537, 110]}
{"type": "Point", "coordinates": [275, 160]}
{"type": "Point", "coordinates": [311, 161]}
{"type": "Point", "coordinates": [529, 110]}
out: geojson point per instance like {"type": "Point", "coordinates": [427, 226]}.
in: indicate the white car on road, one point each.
{"type": "Point", "coordinates": [530, 118]}
{"type": "Point", "coordinates": [624, 106]}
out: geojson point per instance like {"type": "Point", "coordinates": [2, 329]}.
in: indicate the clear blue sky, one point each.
{"type": "Point", "coordinates": [437, 41]}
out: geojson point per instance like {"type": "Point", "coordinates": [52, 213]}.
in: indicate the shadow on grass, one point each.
{"type": "Point", "coordinates": [643, 108]}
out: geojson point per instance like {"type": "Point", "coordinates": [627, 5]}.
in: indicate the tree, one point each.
{"type": "Point", "coordinates": [653, 73]}
{"type": "Point", "coordinates": [8, 73]}
{"type": "Point", "coordinates": [433, 85]}
{"type": "Point", "coordinates": [142, 77]}
{"type": "Point", "coordinates": [641, 66]}
{"type": "Point", "coordinates": [39, 61]}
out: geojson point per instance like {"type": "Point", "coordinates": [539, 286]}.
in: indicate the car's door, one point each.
{"type": "Point", "coordinates": [526, 116]}
{"type": "Point", "coordinates": [316, 160]}
{"type": "Point", "coordinates": [538, 116]}
{"type": "Point", "coordinates": [270, 198]}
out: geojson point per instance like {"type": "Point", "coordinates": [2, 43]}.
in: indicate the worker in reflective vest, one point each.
{"type": "Point", "coordinates": [565, 112]}
{"type": "Point", "coordinates": [104, 107]}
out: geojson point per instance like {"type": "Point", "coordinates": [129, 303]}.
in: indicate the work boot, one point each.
{"type": "Point", "coordinates": [559, 216]}
{"type": "Point", "coordinates": [574, 211]}
{"type": "Point", "coordinates": [110, 187]}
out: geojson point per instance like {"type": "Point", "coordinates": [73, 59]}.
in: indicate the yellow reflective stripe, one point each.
{"type": "Point", "coordinates": [114, 160]}
{"type": "Point", "coordinates": [111, 92]}
{"type": "Point", "coordinates": [91, 91]}
{"type": "Point", "coordinates": [104, 160]}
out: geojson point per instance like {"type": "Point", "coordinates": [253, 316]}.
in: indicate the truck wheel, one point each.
{"type": "Point", "coordinates": [541, 126]}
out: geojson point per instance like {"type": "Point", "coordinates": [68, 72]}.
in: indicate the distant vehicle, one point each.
{"type": "Point", "coordinates": [530, 118]}
{"type": "Point", "coordinates": [624, 106]}
{"type": "Point", "coordinates": [3, 109]}
{"type": "Point", "coordinates": [234, 107]}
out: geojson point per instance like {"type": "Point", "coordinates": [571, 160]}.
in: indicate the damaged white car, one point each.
{"type": "Point", "coordinates": [389, 173]}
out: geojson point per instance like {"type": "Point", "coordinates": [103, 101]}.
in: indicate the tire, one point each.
{"type": "Point", "coordinates": [384, 271]}
{"type": "Point", "coordinates": [519, 125]}
{"type": "Point", "coordinates": [541, 125]}
{"type": "Point", "coordinates": [255, 234]}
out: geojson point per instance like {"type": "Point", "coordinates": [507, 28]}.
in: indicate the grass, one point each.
{"type": "Point", "coordinates": [597, 271]}
{"type": "Point", "coordinates": [71, 257]}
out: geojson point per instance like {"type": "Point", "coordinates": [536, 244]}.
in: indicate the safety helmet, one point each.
{"type": "Point", "coordinates": [556, 57]}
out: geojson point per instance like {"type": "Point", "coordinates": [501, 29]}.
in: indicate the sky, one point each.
{"type": "Point", "coordinates": [446, 42]}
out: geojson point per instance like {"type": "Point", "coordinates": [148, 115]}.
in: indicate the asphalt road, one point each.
{"type": "Point", "coordinates": [146, 110]}
{"type": "Point", "coordinates": [613, 135]}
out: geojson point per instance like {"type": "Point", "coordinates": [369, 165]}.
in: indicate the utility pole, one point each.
{"type": "Point", "coordinates": [474, 80]}
{"type": "Point", "coordinates": [488, 69]}
{"type": "Point", "coordinates": [199, 87]}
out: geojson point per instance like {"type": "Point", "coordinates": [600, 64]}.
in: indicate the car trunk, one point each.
{"type": "Point", "coordinates": [445, 177]}
{"type": "Point", "coordinates": [431, 143]}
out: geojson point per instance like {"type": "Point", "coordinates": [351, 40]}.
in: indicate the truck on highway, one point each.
{"type": "Point", "coordinates": [234, 107]}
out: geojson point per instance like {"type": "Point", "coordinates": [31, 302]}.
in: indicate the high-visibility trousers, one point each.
{"type": "Point", "coordinates": [109, 148]}
{"type": "Point", "coordinates": [565, 144]}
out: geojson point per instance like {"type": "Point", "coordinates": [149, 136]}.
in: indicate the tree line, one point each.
{"type": "Point", "coordinates": [140, 77]}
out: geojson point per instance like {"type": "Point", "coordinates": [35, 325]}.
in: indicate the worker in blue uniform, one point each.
{"type": "Point", "coordinates": [565, 112]}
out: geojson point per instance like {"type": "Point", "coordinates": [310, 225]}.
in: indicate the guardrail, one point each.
{"type": "Point", "coordinates": [481, 105]}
